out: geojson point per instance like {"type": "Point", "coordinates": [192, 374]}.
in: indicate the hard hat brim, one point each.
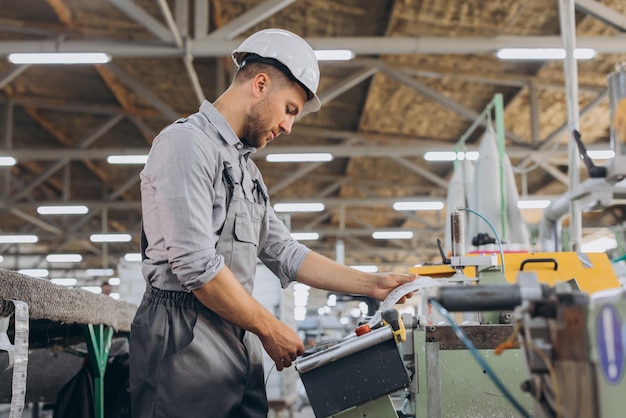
{"type": "Point", "coordinates": [312, 105]}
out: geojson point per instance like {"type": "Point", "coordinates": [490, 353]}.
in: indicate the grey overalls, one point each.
{"type": "Point", "coordinates": [186, 361]}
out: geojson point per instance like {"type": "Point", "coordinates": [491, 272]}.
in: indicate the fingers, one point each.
{"type": "Point", "coordinates": [283, 345]}
{"type": "Point", "coordinates": [286, 361]}
{"type": "Point", "coordinates": [410, 277]}
{"type": "Point", "coordinates": [401, 279]}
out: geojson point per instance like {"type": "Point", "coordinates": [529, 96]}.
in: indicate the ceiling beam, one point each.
{"type": "Point", "coordinates": [180, 37]}
{"type": "Point", "coordinates": [39, 102]}
{"type": "Point", "coordinates": [12, 73]}
{"type": "Point", "coordinates": [415, 149]}
{"type": "Point", "coordinates": [247, 20]}
{"type": "Point", "coordinates": [308, 168]}
{"type": "Point", "coordinates": [437, 97]}
{"type": "Point", "coordinates": [93, 205]}
{"type": "Point", "coordinates": [507, 80]}
{"type": "Point", "coordinates": [347, 84]}
{"type": "Point", "coordinates": [422, 172]}
{"type": "Point", "coordinates": [171, 23]}
{"type": "Point", "coordinates": [547, 143]}
{"type": "Point", "coordinates": [200, 18]}
{"type": "Point", "coordinates": [329, 202]}
{"type": "Point", "coordinates": [555, 172]}
{"type": "Point", "coordinates": [359, 45]}
{"type": "Point", "coordinates": [82, 144]}
{"type": "Point", "coordinates": [142, 91]}
{"type": "Point", "coordinates": [603, 13]}
{"type": "Point", "coordinates": [136, 13]}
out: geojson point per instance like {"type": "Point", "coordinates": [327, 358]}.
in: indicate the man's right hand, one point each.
{"type": "Point", "coordinates": [225, 296]}
{"type": "Point", "coordinates": [282, 344]}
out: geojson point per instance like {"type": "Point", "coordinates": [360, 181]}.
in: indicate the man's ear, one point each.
{"type": "Point", "coordinates": [260, 84]}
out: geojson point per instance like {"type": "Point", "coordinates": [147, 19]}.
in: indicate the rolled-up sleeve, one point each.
{"type": "Point", "coordinates": [178, 196]}
{"type": "Point", "coordinates": [282, 254]}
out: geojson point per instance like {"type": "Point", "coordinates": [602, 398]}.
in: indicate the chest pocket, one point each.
{"type": "Point", "coordinates": [247, 228]}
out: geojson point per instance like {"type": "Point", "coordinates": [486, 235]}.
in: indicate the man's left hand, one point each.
{"type": "Point", "coordinates": [386, 282]}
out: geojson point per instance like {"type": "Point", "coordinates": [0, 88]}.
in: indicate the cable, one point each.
{"type": "Point", "coordinates": [510, 343]}
{"type": "Point", "coordinates": [269, 373]}
{"type": "Point", "coordinates": [494, 233]}
{"type": "Point", "coordinates": [477, 356]}
{"type": "Point", "coordinates": [553, 377]}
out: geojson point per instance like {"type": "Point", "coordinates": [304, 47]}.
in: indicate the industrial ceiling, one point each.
{"type": "Point", "coordinates": [423, 72]}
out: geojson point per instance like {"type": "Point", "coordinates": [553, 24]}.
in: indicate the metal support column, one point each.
{"type": "Point", "coordinates": [498, 108]}
{"type": "Point", "coordinates": [568, 34]}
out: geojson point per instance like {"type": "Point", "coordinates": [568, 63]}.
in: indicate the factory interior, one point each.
{"type": "Point", "coordinates": [437, 151]}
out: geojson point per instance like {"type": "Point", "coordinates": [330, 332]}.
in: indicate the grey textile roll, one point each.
{"type": "Point", "coordinates": [47, 300]}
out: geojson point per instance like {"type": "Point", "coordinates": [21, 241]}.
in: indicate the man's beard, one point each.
{"type": "Point", "coordinates": [257, 127]}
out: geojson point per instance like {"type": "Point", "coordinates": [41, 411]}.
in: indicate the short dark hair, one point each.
{"type": "Point", "coordinates": [252, 62]}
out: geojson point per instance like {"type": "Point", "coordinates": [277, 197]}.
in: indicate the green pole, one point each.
{"type": "Point", "coordinates": [98, 338]}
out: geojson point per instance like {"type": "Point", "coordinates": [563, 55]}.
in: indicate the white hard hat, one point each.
{"type": "Point", "coordinates": [290, 50]}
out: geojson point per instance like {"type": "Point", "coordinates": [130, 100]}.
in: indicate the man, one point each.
{"type": "Point", "coordinates": [106, 288]}
{"type": "Point", "coordinates": [197, 335]}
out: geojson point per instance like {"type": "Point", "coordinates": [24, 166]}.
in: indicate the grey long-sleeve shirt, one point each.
{"type": "Point", "coordinates": [184, 203]}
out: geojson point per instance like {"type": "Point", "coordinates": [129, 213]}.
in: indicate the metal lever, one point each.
{"type": "Point", "coordinates": [593, 170]}
{"type": "Point", "coordinates": [444, 259]}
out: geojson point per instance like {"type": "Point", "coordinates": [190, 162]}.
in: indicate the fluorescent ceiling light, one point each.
{"type": "Point", "coordinates": [468, 155]}
{"type": "Point", "coordinates": [1, 259]}
{"type": "Point", "coordinates": [110, 238]}
{"type": "Point", "coordinates": [63, 210]}
{"type": "Point", "coordinates": [66, 281]}
{"type": "Point", "coordinates": [114, 281]}
{"type": "Point", "coordinates": [334, 54]}
{"type": "Point", "coordinates": [64, 258]}
{"type": "Point", "coordinates": [304, 157]}
{"type": "Point", "coordinates": [543, 53]}
{"type": "Point", "coordinates": [533, 204]}
{"type": "Point", "coordinates": [601, 154]}
{"type": "Point", "coordinates": [7, 161]}
{"type": "Point", "coordinates": [299, 313]}
{"type": "Point", "coordinates": [305, 236]}
{"type": "Point", "coordinates": [34, 272]}
{"type": "Point", "coordinates": [301, 288]}
{"type": "Point", "coordinates": [60, 58]}
{"type": "Point", "coordinates": [366, 269]}
{"type": "Point", "coordinates": [451, 155]}
{"type": "Point", "coordinates": [392, 235]}
{"type": "Point", "coordinates": [18, 239]}
{"type": "Point", "coordinates": [440, 156]}
{"type": "Point", "coordinates": [92, 289]}
{"type": "Point", "coordinates": [99, 272]}
{"type": "Point", "coordinates": [132, 257]}
{"type": "Point", "coordinates": [299, 207]}
{"type": "Point", "coordinates": [127, 159]}
{"type": "Point", "coordinates": [418, 205]}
